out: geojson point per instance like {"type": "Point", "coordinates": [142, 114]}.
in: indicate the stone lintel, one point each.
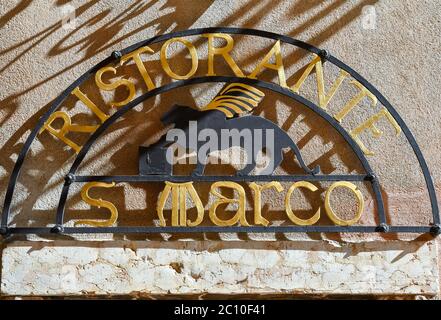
{"type": "Point", "coordinates": [214, 267]}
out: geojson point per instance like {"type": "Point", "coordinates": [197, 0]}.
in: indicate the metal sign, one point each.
{"type": "Point", "coordinates": [229, 114]}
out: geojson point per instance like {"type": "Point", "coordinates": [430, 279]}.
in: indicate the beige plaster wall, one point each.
{"type": "Point", "coordinates": [40, 58]}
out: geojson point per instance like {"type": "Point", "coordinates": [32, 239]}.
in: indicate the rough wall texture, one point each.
{"type": "Point", "coordinates": [40, 58]}
{"type": "Point", "coordinates": [123, 268]}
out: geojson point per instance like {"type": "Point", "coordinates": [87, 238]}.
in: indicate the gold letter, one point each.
{"type": "Point", "coordinates": [224, 52]}
{"type": "Point", "coordinates": [323, 97]}
{"type": "Point", "coordinates": [331, 213]}
{"type": "Point", "coordinates": [65, 128]}
{"type": "Point", "coordinates": [193, 54]}
{"type": "Point", "coordinates": [240, 214]}
{"type": "Point", "coordinates": [92, 106]}
{"type": "Point", "coordinates": [291, 215]}
{"type": "Point", "coordinates": [113, 85]}
{"type": "Point", "coordinates": [136, 56]}
{"type": "Point", "coordinates": [258, 219]}
{"type": "Point", "coordinates": [179, 198]}
{"type": "Point", "coordinates": [161, 204]}
{"type": "Point", "coordinates": [278, 66]}
{"type": "Point", "coordinates": [98, 203]}
{"type": "Point", "coordinates": [356, 100]}
{"type": "Point", "coordinates": [370, 124]}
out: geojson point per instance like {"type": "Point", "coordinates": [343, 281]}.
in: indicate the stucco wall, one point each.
{"type": "Point", "coordinates": [40, 58]}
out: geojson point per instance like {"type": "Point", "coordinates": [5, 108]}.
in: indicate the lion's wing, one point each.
{"type": "Point", "coordinates": [236, 99]}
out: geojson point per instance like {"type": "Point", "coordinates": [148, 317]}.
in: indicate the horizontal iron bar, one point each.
{"type": "Point", "coordinates": [213, 229]}
{"type": "Point", "coordinates": [162, 178]}
{"type": "Point", "coordinates": [409, 229]}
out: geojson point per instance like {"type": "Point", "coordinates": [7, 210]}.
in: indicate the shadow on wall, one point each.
{"type": "Point", "coordinates": [108, 36]}
{"type": "Point", "coordinates": [102, 39]}
{"type": "Point", "coordinates": [8, 16]}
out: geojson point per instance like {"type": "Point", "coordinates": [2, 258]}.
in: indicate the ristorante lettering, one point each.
{"type": "Point", "coordinates": [216, 54]}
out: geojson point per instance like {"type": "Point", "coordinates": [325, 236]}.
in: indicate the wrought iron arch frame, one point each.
{"type": "Point", "coordinates": [116, 55]}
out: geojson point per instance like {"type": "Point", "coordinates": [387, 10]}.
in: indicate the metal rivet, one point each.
{"type": "Point", "coordinates": [57, 229]}
{"type": "Point", "coordinates": [69, 178]}
{"type": "Point", "coordinates": [371, 177]}
{"type": "Point", "coordinates": [436, 230]}
{"type": "Point", "coordinates": [383, 228]}
{"type": "Point", "coordinates": [116, 55]}
{"type": "Point", "coordinates": [324, 54]}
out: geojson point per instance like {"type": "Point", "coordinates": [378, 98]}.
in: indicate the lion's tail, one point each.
{"type": "Point", "coordinates": [299, 157]}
